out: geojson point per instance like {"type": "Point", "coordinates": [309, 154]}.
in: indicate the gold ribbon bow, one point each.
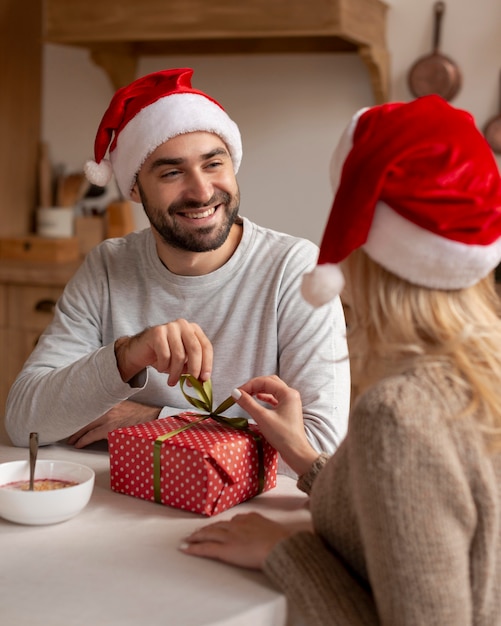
{"type": "Point", "coordinates": [204, 403]}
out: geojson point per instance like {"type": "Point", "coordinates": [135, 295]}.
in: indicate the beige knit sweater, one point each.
{"type": "Point", "coordinates": [407, 517]}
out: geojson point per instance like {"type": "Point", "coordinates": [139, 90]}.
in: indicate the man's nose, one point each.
{"type": "Point", "coordinates": [200, 188]}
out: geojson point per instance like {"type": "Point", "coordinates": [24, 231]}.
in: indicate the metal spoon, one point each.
{"type": "Point", "coordinates": [33, 458]}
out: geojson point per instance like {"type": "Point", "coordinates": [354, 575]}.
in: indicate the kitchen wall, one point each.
{"type": "Point", "coordinates": [290, 109]}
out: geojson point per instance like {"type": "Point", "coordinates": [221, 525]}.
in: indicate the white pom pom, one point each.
{"type": "Point", "coordinates": [323, 284]}
{"type": "Point", "coordinates": [98, 173]}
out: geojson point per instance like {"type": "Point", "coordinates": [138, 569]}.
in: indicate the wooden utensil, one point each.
{"type": "Point", "coordinates": [45, 192]}
{"type": "Point", "coordinates": [71, 189]}
{"type": "Point", "coordinates": [435, 73]}
{"type": "Point", "coordinates": [492, 130]}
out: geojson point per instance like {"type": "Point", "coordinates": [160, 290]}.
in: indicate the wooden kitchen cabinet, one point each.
{"type": "Point", "coordinates": [20, 93]}
{"type": "Point", "coordinates": [29, 310]}
{"type": "Point", "coordinates": [28, 293]}
{"type": "Point", "coordinates": [117, 32]}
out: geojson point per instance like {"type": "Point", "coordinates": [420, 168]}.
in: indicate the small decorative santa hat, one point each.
{"type": "Point", "coordinates": [149, 112]}
{"type": "Point", "coordinates": [417, 187]}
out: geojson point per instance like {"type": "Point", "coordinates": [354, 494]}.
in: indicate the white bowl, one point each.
{"type": "Point", "coordinates": [44, 507]}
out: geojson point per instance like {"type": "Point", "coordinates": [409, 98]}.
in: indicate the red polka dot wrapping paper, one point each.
{"type": "Point", "coordinates": [205, 469]}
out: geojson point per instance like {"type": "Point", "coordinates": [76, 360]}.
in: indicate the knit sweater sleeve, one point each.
{"type": "Point", "coordinates": [317, 583]}
{"type": "Point", "coordinates": [414, 505]}
{"type": "Point", "coordinates": [305, 482]}
{"type": "Point", "coordinates": [415, 517]}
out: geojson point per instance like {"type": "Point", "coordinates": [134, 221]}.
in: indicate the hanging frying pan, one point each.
{"type": "Point", "coordinates": [492, 129]}
{"type": "Point", "coordinates": [435, 73]}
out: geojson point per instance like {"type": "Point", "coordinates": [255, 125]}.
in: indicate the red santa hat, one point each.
{"type": "Point", "coordinates": [417, 187]}
{"type": "Point", "coordinates": [149, 112]}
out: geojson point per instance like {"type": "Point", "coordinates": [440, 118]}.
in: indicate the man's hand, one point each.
{"type": "Point", "coordinates": [175, 348]}
{"type": "Point", "coordinates": [126, 413]}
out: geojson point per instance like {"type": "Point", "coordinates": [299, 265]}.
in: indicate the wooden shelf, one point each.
{"type": "Point", "coordinates": [118, 32]}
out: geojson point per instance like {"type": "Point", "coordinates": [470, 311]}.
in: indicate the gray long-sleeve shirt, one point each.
{"type": "Point", "coordinates": [251, 309]}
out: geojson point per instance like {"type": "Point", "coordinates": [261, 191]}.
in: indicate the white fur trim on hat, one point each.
{"type": "Point", "coordinates": [322, 284]}
{"type": "Point", "coordinates": [164, 119]}
{"type": "Point", "coordinates": [344, 145]}
{"type": "Point", "coordinates": [98, 173]}
{"type": "Point", "coordinates": [424, 258]}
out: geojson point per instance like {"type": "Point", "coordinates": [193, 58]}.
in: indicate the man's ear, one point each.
{"type": "Point", "coordinates": [134, 193]}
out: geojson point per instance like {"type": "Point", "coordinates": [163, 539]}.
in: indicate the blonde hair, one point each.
{"type": "Point", "coordinates": [394, 324]}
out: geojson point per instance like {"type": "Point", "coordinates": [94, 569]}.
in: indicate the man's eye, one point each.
{"type": "Point", "coordinates": [214, 164]}
{"type": "Point", "coordinates": [170, 174]}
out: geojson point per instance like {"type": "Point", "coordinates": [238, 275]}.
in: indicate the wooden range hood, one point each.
{"type": "Point", "coordinates": [118, 32]}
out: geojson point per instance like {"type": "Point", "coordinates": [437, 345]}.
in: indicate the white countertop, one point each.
{"type": "Point", "coordinates": [118, 563]}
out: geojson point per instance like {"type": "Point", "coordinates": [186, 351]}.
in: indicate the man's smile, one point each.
{"type": "Point", "coordinates": [197, 215]}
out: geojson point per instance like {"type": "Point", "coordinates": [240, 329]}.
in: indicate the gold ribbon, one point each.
{"type": "Point", "coordinates": [204, 403]}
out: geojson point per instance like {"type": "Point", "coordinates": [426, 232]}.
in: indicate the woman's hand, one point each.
{"type": "Point", "coordinates": [282, 424]}
{"type": "Point", "coordinates": [246, 540]}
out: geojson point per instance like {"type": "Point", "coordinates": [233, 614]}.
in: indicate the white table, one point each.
{"type": "Point", "coordinates": [118, 563]}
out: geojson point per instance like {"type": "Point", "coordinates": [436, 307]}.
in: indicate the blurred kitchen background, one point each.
{"type": "Point", "coordinates": [290, 107]}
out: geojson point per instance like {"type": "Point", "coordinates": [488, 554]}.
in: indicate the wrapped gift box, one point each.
{"type": "Point", "coordinates": [206, 469]}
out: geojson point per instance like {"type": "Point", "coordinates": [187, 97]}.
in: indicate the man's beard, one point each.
{"type": "Point", "coordinates": [202, 239]}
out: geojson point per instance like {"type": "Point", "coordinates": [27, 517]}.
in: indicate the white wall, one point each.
{"type": "Point", "coordinates": [290, 109]}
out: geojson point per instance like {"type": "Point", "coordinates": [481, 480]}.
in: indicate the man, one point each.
{"type": "Point", "coordinates": [203, 291]}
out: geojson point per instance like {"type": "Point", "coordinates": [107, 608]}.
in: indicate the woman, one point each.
{"type": "Point", "coordinates": [407, 513]}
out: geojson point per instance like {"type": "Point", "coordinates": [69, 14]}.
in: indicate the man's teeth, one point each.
{"type": "Point", "coordinates": [199, 216]}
